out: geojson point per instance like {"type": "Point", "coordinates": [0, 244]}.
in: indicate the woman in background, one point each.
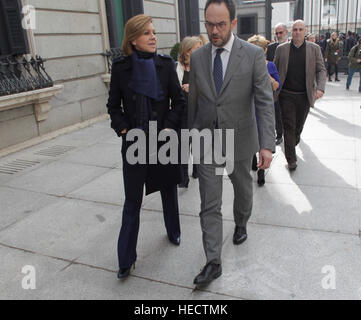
{"type": "Point", "coordinates": [275, 83]}
{"type": "Point", "coordinates": [187, 46]}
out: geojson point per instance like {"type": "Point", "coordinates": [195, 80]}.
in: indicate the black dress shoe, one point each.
{"type": "Point", "coordinates": [292, 166]}
{"type": "Point", "coordinates": [195, 172]}
{"type": "Point", "coordinates": [254, 163]}
{"type": "Point", "coordinates": [175, 241]}
{"type": "Point", "coordinates": [261, 181]}
{"type": "Point", "coordinates": [240, 235]}
{"type": "Point", "coordinates": [184, 184]}
{"type": "Point", "coordinates": [279, 141]}
{"type": "Point", "coordinates": [123, 273]}
{"type": "Point", "coordinates": [209, 273]}
{"type": "Point", "coordinates": [337, 79]}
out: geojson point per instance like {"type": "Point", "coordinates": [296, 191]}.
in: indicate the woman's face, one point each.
{"type": "Point", "coordinates": [147, 42]}
{"type": "Point", "coordinates": [195, 47]}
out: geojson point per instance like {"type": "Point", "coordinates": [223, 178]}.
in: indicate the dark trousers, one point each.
{"type": "Point", "coordinates": [185, 176]}
{"type": "Point", "coordinates": [128, 235]}
{"type": "Point", "coordinates": [294, 110]}
{"type": "Point", "coordinates": [329, 67]}
{"type": "Point", "coordinates": [279, 125]}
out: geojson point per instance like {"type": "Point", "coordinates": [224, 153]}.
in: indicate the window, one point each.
{"type": "Point", "coordinates": [247, 25]}
{"type": "Point", "coordinates": [13, 39]}
{"type": "Point", "coordinates": [188, 18]}
{"type": "Point", "coordinates": [329, 11]}
{"type": "Point", "coordinates": [118, 13]}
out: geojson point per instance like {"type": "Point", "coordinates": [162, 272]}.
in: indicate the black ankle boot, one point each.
{"type": "Point", "coordinates": [125, 272]}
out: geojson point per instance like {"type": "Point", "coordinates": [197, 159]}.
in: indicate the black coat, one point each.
{"type": "Point", "coordinates": [271, 51]}
{"type": "Point", "coordinates": [168, 113]}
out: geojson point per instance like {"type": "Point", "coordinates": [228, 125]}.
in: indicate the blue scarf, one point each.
{"type": "Point", "coordinates": [146, 85]}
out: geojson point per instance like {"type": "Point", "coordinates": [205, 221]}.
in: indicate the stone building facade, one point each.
{"type": "Point", "coordinates": [72, 37]}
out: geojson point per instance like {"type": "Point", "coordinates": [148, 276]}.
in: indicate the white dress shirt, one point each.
{"type": "Point", "coordinates": [224, 55]}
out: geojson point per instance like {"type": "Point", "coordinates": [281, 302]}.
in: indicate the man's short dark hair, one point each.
{"type": "Point", "coordinates": [229, 4]}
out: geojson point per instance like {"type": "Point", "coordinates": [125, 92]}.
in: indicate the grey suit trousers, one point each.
{"type": "Point", "coordinates": [210, 187]}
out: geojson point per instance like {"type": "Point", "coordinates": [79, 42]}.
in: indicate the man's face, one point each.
{"type": "Point", "coordinates": [218, 24]}
{"type": "Point", "coordinates": [298, 32]}
{"type": "Point", "coordinates": [281, 34]}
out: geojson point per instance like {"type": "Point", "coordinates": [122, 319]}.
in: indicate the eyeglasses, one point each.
{"type": "Point", "coordinates": [220, 26]}
{"type": "Point", "coordinates": [281, 32]}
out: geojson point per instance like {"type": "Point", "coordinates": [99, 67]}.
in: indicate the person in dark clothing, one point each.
{"type": "Point", "coordinates": [323, 43]}
{"type": "Point", "coordinates": [187, 46]}
{"type": "Point", "coordinates": [281, 33]}
{"type": "Point", "coordinates": [142, 85]}
{"type": "Point", "coordinates": [350, 42]}
{"type": "Point", "coordinates": [261, 41]}
{"type": "Point", "coordinates": [355, 64]}
{"type": "Point", "coordinates": [303, 82]}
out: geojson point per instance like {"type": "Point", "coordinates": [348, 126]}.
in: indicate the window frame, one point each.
{"type": "Point", "coordinates": [189, 20]}
{"type": "Point", "coordinates": [18, 42]}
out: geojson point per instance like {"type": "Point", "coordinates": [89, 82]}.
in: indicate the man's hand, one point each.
{"type": "Point", "coordinates": [318, 95]}
{"type": "Point", "coordinates": [359, 60]}
{"type": "Point", "coordinates": [124, 131]}
{"type": "Point", "coordinates": [265, 159]}
{"type": "Point", "coordinates": [185, 87]}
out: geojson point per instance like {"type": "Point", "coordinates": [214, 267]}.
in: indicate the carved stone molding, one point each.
{"type": "Point", "coordinates": [39, 98]}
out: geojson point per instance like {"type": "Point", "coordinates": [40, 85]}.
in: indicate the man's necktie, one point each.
{"type": "Point", "coordinates": [218, 70]}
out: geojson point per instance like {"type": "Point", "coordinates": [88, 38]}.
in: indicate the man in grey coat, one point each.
{"type": "Point", "coordinates": [229, 85]}
{"type": "Point", "coordinates": [303, 77]}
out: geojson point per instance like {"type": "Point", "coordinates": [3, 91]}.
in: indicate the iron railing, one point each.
{"type": "Point", "coordinates": [112, 54]}
{"type": "Point", "coordinates": [17, 74]}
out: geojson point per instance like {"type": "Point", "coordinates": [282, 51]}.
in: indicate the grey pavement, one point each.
{"type": "Point", "coordinates": [61, 207]}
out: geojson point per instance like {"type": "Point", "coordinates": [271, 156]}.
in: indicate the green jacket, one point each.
{"type": "Point", "coordinates": [332, 51]}
{"type": "Point", "coordinates": [355, 53]}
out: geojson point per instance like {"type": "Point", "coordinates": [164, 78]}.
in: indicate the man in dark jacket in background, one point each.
{"type": "Point", "coordinates": [350, 42]}
{"type": "Point", "coordinates": [354, 64]}
{"type": "Point", "coordinates": [281, 33]}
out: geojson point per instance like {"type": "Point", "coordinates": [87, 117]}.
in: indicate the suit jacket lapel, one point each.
{"type": "Point", "coordinates": [235, 60]}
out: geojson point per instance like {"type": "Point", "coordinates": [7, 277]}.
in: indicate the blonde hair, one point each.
{"type": "Point", "coordinates": [187, 44]}
{"type": "Point", "coordinates": [134, 28]}
{"type": "Point", "coordinates": [259, 41]}
{"type": "Point", "coordinates": [203, 39]}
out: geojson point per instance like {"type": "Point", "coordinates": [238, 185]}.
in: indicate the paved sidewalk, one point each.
{"type": "Point", "coordinates": [61, 213]}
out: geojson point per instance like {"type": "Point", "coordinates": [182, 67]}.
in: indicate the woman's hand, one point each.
{"type": "Point", "coordinates": [274, 83]}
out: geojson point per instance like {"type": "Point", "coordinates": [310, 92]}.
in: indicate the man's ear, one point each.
{"type": "Point", "coordinates": [233, 24]}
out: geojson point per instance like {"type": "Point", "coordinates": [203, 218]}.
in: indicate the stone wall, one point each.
{"type": "Point", "coordinates": [69, 36]}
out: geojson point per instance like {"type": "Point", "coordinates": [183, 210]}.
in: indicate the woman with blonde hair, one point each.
{"type": "Point", "coordinates": [142, 85]}
{"type": "Point", "coordinates": [332, 55]}
{"type": "Point", "coordinates": [262, 42]}
{"type": "Point", "coordinates": [187, 46]}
